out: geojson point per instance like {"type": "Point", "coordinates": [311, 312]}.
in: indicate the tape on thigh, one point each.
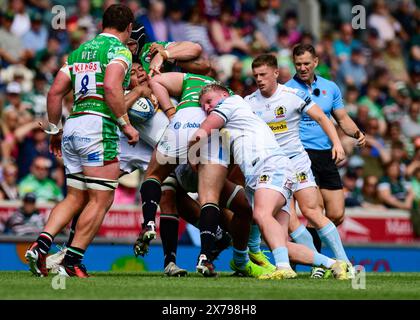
{"type": "Point", "coordinates": [96, 183]}
{"type": "Point", "coordinates": [170, 183]}
{"type": "Point", "coordinates": [233, 195]}
{"type": "Point", "coordinates": [76, 180]}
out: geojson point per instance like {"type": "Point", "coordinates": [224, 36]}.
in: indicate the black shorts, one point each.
{"type": "Point", "coordinates": [324, 169]}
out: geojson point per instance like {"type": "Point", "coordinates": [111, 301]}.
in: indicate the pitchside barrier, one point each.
{"type": "Point", "coordinates": [380, 240]}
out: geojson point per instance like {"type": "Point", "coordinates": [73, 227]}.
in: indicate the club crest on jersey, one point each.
{"type": "Point", "coordinates": [302, 177]}
{"type": "Point", "coordinates": [264, 178]}
{"type": "Point", "coordinates": [280, 112]}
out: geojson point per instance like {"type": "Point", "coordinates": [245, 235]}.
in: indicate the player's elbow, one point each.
{"type": "Point", "coordinates": [196, 49]}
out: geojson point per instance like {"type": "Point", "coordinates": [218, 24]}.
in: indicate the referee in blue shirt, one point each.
{"type": "Point", "coordinates": [327, 95]}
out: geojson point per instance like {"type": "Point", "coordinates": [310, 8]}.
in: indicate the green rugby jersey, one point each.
{"type": "Point", "coordinates": [87, 66]}
{"type": "Point", "coordinates": [191, 87]}
{"type": "Point", "coordinates": [144, 55]}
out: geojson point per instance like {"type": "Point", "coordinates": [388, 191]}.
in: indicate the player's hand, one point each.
{"type": "Point", "coordinates": [131, 134]}
{"type": "Point", "coordinates": [361, 138]}
{"type": "Point", "coordinates": [155, 65]}
{"type": "Point", "coordinates": [55, 144]}
{"type": "Point", "coordinates": [338, 153]}
{"type": "Point", "coordinates": [155, 48]}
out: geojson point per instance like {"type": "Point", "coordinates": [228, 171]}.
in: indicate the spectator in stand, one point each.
{"type": "Point", "coordinates": [350, 101]}
{"type": "Point", "coordinates": [264, 25]}
{"type": "Point", "coordinates": [26, 220]}
{"type": "Point", "coordinates": [394, 191]}
{"type": "Point", "coordinates": [14, 101]}
{"type": "Point", "coordinates": [352, 71]}
{"type": "Point", "coordinates": [21, 21]}
{"type": "Point", "coordinates": [235, 81]}
{"type": "Point", "coordinates": [387, 26]}
{"type": "Point", "coordinates": [397, 106]}
{"type": "Point", "coordinates": [8, 187]}
{"type": "Point", "coordinates": [36, 38]}
{"type": "Point", "coordinates": [346, 43]}
{"type": "Point", "coordinates": [11, 48]}
{"type": "Point", "coordinates": [395, 62]}
{"type": "Point", "coordinates": [292, 27]}
{"type": "Point", "coordinates": [39, 183]}
{"type": "Point", "coordinates": [175, 23]}
{"type": "Point", "coordinates": [369, 194]}
{"type": "Point", "coordinates": [155, 25]}
{"type": "Point", "coordinates": [375, 110]}
{"type": "Point", "coordinates": [410, 123]}
{"type": "Point", "coordinates": [350, 189]}
{"type": "Point", "coordinates": [225, 37]}
{"type": "Point", "coordinates": [196, 31]}
{"type": "Point", "coordinates": [38, 95]}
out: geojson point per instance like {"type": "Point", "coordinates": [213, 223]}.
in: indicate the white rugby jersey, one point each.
{"type": "Point", "coordinates": [251, 140]}
{"type": "Point", "coordinates": [282, 112]}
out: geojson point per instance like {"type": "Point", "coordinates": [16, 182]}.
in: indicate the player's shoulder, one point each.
{"type": "Point", "coordinates": [292, 93]}
{"type": "Point", "coordinates": [252, 97]}
{"type": "Point", "coordinates": [327, 83]}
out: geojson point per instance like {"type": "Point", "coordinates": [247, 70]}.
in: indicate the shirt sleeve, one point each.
{"type": "Point", "coordinates": [337, 98]}
{"type": "Point", "coordinates": [120, 53]}
{"type": "Point", "coordinates": [225, 109]}
{"type": "Point", "coordinates": [305, 101]}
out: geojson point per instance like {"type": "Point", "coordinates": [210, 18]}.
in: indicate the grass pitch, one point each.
{"type": "Point", "coordinates": [156, 286]}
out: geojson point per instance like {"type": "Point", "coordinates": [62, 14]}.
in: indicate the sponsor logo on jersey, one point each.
{"type": "Point", "coordinates": [302, 177]}
{"type": "Point", "coordinates": [93, 157]}
{"type": "Point", "coordinates": [278, 127]}
{"type": "Point", "coordinates": [280, 112]}
{"type": "Point", "coordinates": [191, 125]}
{"type": "Point", "coordinates": [82, 67]}
{"type": "Point", "coordinates": [177, 125]}
{"type": "Point", "coordinates": [264, 178]}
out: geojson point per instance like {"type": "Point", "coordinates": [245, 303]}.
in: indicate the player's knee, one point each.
{"type": "Point", "coordinates": [337, 218]}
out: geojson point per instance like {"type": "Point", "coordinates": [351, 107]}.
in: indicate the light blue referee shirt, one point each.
{"type": "Point", "coordinates": [328, 97]}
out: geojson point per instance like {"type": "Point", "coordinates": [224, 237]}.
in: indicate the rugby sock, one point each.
{"type": "Point", "coordinates": [150, 192]}
{"type": "Point", "coordinates": [240, 257]}
{"type": "Point", "coordinates": [281, 257]}
{"type": "Point", "coordinates": [169, 234]}
{"type": "Point", "coordinates": [44, 242]}
{"type": "Point", "coordinates": [209, 220]}
{"type": "Point", "coordinates": [317, 239]}
{"type": "Point", "coordinates": [72, 230]}
{"type": "Point", "coordinates": [301, 235]}
{"type": "Point", "coordinates": [254, 242]}
{"type": "Point", "coordinates": [321, 260]}
{"type": "Point", "coordinates": [329, 234]}
{"type": "Point", "coordinates": [74, 256]}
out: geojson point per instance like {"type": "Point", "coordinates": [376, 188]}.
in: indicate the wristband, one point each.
{"type": "Point", "coordinates": [170, 112]}
{"type": "Point", "coordinates": [123, 120]}
{"type": "Point", "coordinates": [52, 129]}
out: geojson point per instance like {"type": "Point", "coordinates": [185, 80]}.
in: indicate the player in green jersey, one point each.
{"type": "Point", "coordinates": [96, 72]}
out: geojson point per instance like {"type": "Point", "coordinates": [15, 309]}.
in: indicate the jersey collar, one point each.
{"type": "Point", "coordinates": [297, 79]}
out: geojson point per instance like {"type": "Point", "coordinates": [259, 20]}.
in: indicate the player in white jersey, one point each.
{"type": "Point", "coordinates": [268, 175]}
{"type": "Point", "coordinates": [281, 108]}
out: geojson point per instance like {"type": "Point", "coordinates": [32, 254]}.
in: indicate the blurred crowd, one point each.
{"type": "Point", "coordinates": [377, 70]}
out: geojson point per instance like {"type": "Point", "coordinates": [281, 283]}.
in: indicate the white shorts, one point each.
{"type": "Point", "coordinates": [276, 173]}
{"type": "Point", "coordinates": [152, 130]}
{"type": "Point", "coordinates": [174, 142]}
{"type": "Point", "coordinates": [134, 157]}
{"type": "Point", "coordinates": [89, 140]}
{"type": "Point", "coordinates": [304, 175]}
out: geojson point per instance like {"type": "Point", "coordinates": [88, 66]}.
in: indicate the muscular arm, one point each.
{"type": "Point", "coordinates": [59, 89]}
{"type": "Point", "coordinates": [348, 126]}
{"type": "Point", "coordinates": [212, 122]}
{"type": "Point", "coordinates": [184, 50]}
{"type": "Point", "coordinates": [113, 90]}
{"type": "Point", "coordinates": [166, 85]}
{"type": "Point", "coordinates": [199, 65]}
